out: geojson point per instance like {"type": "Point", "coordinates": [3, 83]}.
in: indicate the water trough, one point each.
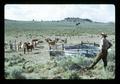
{"type": "Point", "coordinates": [86, 49]}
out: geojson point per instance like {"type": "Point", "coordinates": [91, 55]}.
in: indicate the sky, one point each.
{"type": "Point", "coordinates": [49, 12]}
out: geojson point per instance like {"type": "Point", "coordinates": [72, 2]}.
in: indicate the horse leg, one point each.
{"type": "Point", "coordinates": [32, 47]}
{"type": "Point", "coordinates": [24, 50]}
{"type": "Point", "coordinates": [49, 47]}
{"type": "Point", "coordinates": [28, 51]}
{"type": "Point", "coordinates": [55, 46]}
{"type": "Point", "coordinates": [18, 48]}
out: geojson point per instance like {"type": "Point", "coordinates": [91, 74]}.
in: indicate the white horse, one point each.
{"type": "Point", "coordinates": [20, 45]}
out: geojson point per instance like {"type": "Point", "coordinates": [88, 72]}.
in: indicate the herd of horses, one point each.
{"type": "Point", "coordinates": [29, 46]}
{"type": "Point", "coordinates": [26, 46]}
{"type": "Point", "coordinates": [53, 43]}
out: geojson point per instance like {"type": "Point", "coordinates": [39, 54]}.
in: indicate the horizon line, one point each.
{"type": "Point", "coordinates": [59, 20]}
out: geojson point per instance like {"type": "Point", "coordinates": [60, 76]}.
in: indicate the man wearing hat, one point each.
{"type": "Point", "coordinates": [104, 46]}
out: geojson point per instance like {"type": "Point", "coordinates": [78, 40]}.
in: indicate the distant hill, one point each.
{"type": "Point", "coordinates": [66, 23]}
{"type": "Point", "coordinates": [69, 19]}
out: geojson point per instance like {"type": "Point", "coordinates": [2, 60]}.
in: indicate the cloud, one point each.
{"type": "Point", "coordinates": [97, 12]}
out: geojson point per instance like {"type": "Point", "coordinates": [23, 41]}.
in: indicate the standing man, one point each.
{"type": "Point", "coordinates": [104, 46]}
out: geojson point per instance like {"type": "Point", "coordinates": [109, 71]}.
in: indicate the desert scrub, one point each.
{"type": "Point", "coordinates": [14, 73]}
{"type": "Point", "coordinates": [102, 74]}
{"type": "Point", "coordinates": [82, 60]}
{"type": "Point", "coordinates": [68, 61]}
{"type": "Point", "coordinates": [57, 77]}
{"type": "Point", "coordinates": [65, 63]}
{"type": "Point", "coordinates": [58, 70]}
{"type": "Point", "coordinates": [28, 66]}
{"type": "Point", "coordinates": [38, 67]}
{"type": "Point", "coordinates": [111, 67]}
{"type": "Point", "coordinates": [51, 64]}
{"type": "Point", "coordinates": [66, 74]}
{"type": "Point", "coordinates": [14, 59]}
{"type": "Point", "coordinates": [74, 75]}
{"type": "Point", "coordinates": [111, 55]}
{"type": "Point", "coordinates": [71, 75]}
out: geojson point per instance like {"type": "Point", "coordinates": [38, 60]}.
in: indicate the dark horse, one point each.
{"type": "Point", "coordinates": [77, 24]}
{"type": "Point", "coordinates": [28, 46]}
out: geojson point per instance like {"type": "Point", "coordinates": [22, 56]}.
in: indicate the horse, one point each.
{"type": "Point", "coordinates": [20, 45]}
{"type": "Point", "coordinates": [64, 40]}
{"type": "Point", "coordinates": [48, 39]}
{"type": "Point", "coordinates": [51, 42]}
{"type": "Point", "coordinates": [34, 42]}
{"type": "Point", "coordinates": [77, 24]}
{"type": "Point", "coordinates": [28, 46]}
{"type": "Point", "coordinates": [61, 40]}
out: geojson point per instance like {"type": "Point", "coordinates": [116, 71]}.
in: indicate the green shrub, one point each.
{"type": "Point", "coordinates": [14, 72]}
{"type": "Point", "coordinates": [74, 75]}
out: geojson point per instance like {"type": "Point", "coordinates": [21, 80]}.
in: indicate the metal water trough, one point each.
{"type": "Point", "coordinates": [87, 49]}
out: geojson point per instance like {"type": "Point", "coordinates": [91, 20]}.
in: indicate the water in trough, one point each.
{"type": "Point", "coordinates": [88, 50]}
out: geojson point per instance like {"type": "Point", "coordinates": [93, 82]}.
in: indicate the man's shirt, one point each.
{"type": "Point", "coordinates": [104, 44]}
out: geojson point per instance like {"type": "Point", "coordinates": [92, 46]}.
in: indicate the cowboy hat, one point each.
{"type": "Point", "coordinates": [103, 34]}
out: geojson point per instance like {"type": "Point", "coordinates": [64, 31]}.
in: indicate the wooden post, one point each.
{"type": "Point", "coordinates": [15, 45]}
{"type": "Point", "coordinates": [24, 50]}
{"type": "Point", "coordinates": [81, 42]}
{"type": "Point", "coordinates": [94, 43]}
{"type": "Point", "coordinates": [11, 45]}
{"type": "Point", "coordinates": [35, 44]}
{"type": "Point", "coordinates": [49, 47]}
{"type": "Point", "coordinates": [62, 46]}
{"type": "Point", "coordinates": [87, 51]}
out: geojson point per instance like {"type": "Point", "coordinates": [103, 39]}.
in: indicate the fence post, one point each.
{"type": "Point", "coordinates": [62, 46]}
{"type": "Point", "coordinates": [94, 43]}
{"type": "Point", "coordinates": [15, 45]}
{"type": "Point", "coordinates": [11, 45]}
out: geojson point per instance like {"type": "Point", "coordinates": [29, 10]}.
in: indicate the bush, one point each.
{"type": "Point", "coordinates": [57, 77]}
{"type": "Point", "coordinates": [111, 67]}
{"type": "Point", "coordinates": [74, 61]}
{"type": "Point", "coordinates": [17, 74]}
{"type": "Point", "coordinates": [14, 72]}
{"type": "Point", "coordinates": [74, 75]}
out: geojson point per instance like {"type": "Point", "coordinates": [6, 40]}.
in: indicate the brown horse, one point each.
{"type": "Point", "coordinates": [28, 46]}
{"type": "Point", "coordinates": [48, 39]}
{"type": "Point", "coordinates": [61, 40]}
{"type": "Point", "coordinates": [51, 42]}
{"type": "Point", "coordinates": [64, 40]}
{"type": "Point", "coordinates": [34, 42]}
